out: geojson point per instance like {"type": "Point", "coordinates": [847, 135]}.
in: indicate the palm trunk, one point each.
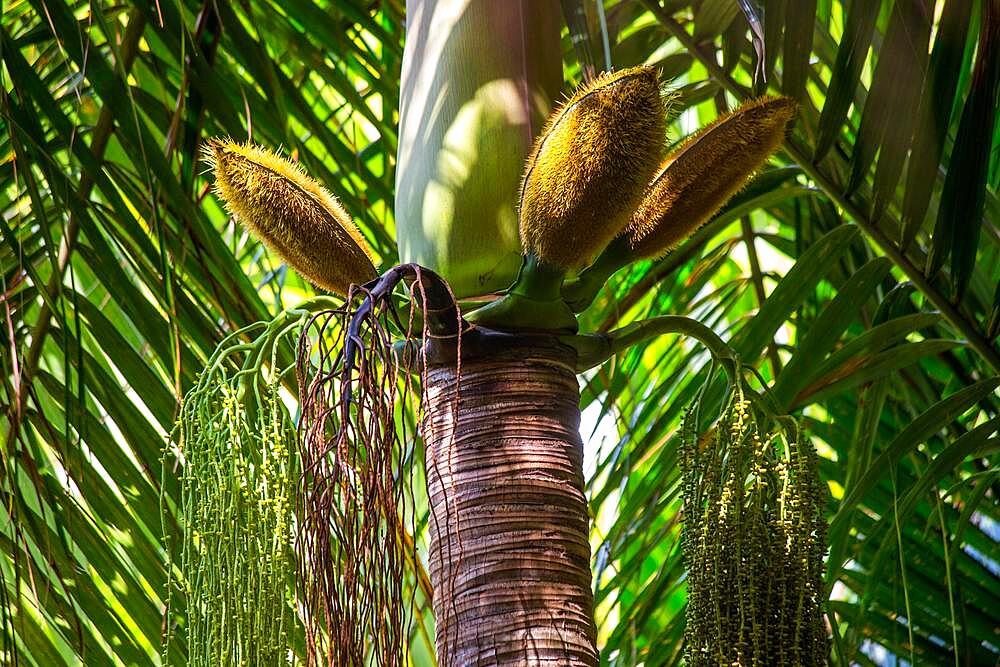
{"type": "Point", "coordinates": [509, 554]}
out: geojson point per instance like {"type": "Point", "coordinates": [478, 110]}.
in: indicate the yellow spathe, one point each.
{"type": "Point", "coordinates": [589, 169]}
{"type": "Point", "coordinates": [290, 213]}
{"type": "Point", "coordinates": [709, 167]}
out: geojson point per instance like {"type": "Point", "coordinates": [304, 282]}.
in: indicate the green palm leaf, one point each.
{"type": "Point", "coordinates": [120, 273]}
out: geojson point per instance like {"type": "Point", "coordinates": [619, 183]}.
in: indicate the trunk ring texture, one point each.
{"type": "Point", "coordinates": [510, 553]}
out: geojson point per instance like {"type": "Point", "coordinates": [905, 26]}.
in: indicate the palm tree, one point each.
{"type": "Point", "coordinates": [858, 274]}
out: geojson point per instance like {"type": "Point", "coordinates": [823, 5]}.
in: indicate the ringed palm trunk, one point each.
{"type": "Point", "coordinates": [509, 554]}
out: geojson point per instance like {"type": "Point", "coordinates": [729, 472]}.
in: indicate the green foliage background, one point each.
{"type": "Point", "coordinates": [859, 270]}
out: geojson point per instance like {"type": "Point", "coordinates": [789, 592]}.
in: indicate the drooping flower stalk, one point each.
{"type": "Point", "coordinates": [240, 472]}
{"type": "Point", "coordinates": [753, 540]}
{"type": "Point", "coordinates": [238, 483]}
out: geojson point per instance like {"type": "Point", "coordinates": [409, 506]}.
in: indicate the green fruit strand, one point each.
{"type": "Point", "coordinates": [236, 489]}
{"type": "Point", "coordinates": [753, 542]}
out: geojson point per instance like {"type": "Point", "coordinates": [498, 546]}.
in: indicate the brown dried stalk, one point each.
{"type": "Point", "coordinates": [351, 546]}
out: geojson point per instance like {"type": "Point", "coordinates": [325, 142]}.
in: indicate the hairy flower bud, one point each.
{"type": "Point", "coordinates": [292, 214]}
{"type": "Point", "coordinates": [590, 166]}
{"type": "Point", "coordinates": [708, 168]}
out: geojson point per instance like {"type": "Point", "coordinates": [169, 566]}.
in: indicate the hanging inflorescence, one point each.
{"type": "Point", "coordinates": [753, 539]}
{"type": "Point", "coordinates": [237, 508]}
{"type": "Point", "coordinates": [355, 540]}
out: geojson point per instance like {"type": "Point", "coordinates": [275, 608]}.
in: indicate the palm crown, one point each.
{"type": "Point", "coordinates": [861, 267]}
